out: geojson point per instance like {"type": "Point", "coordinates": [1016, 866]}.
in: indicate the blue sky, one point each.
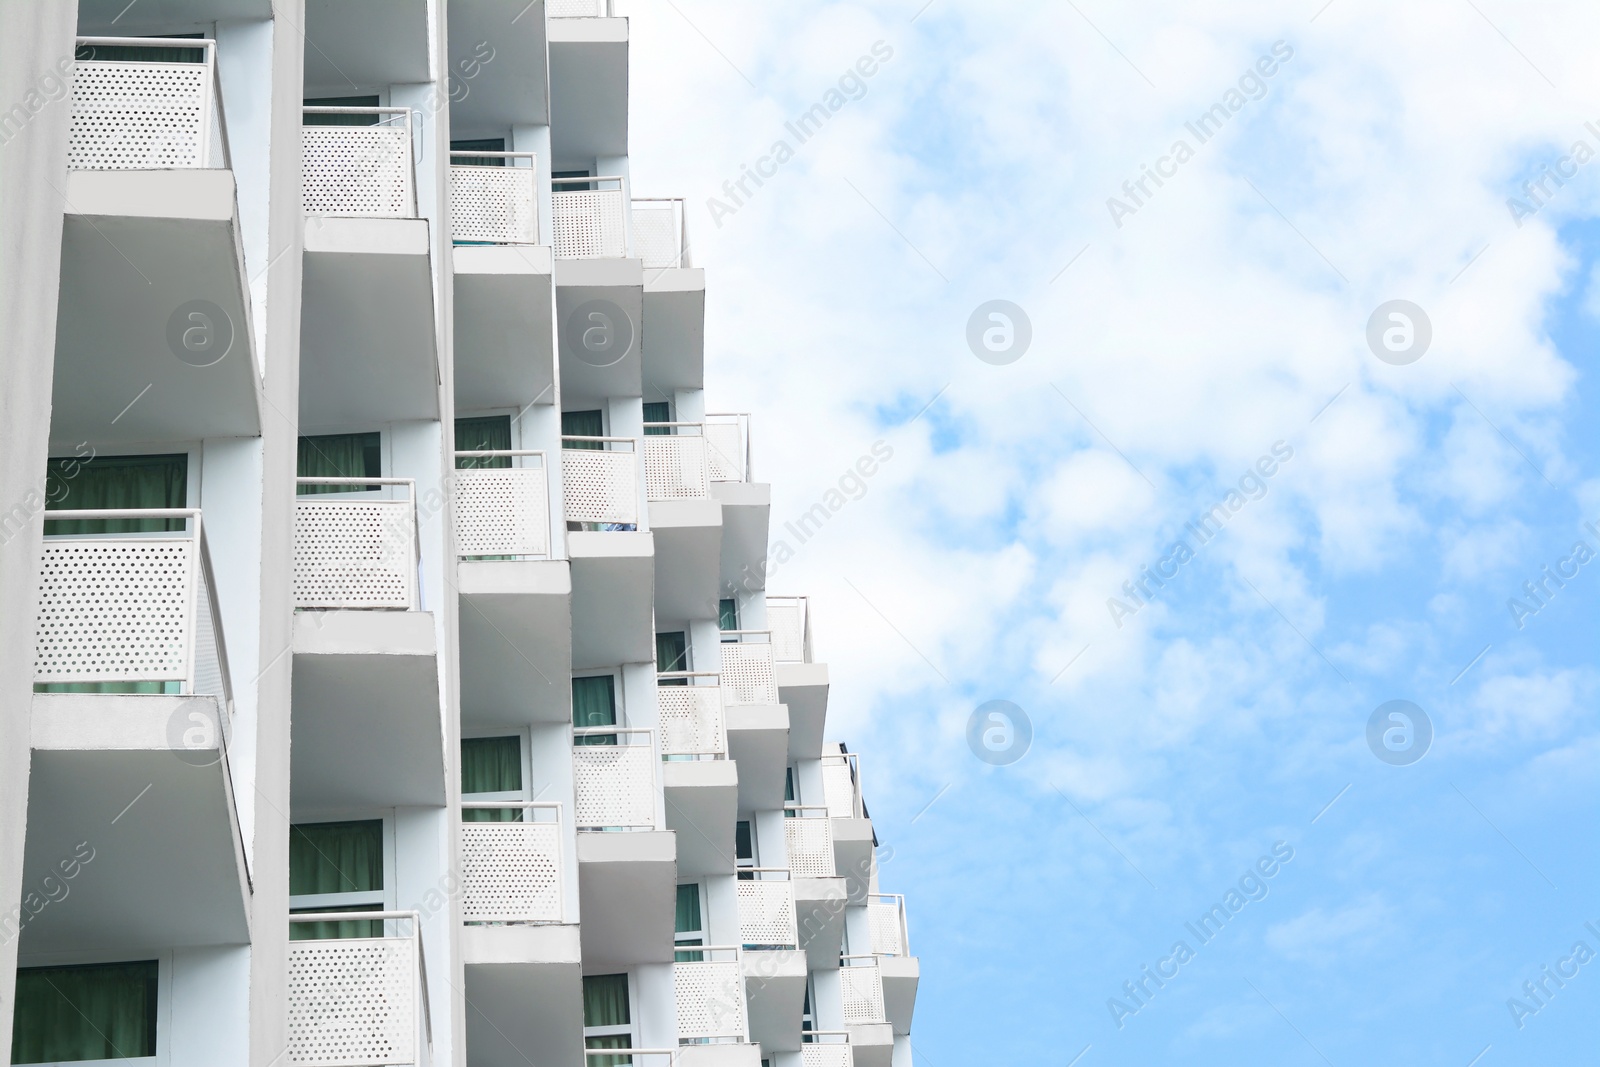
{"type": "Point", "coordinates": [1169, 354]}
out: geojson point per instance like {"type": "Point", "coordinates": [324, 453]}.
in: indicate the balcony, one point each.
{"type": "Point", "coordinates": [701, 784]}
{"type": "Point", "coordinates": [511, 871]}
{"type": "Point", "coordinates": [758, 726]}
{"type": "Point", "coordinates": [614, 780]}
{"type": "Point", "coordinates": [601, 485]}
{"type": "Point", "coordinates": [354, 552]}
{"type": "Point", "coordinates": [686, 520]}
{"type": "Point", "coordinates": [149, 183]}
{"type": "Point", "coordinates": [495, 204]}
{"type": "Point", "coordinates": [578, 9]}
{"type": "Point", "coordinates": [502, 511]}
{"type": "Point", "coordinates": [886, 918]}
{"type": "Point", "coordinates": [359, 1000]}
{"type": "Point", "coordinates": [590, 217]}
{"type": "Point", "coordinates": [900, 971]}
{"type": "Point", "coordinates": [853, 838]}
{"type": "Point", "coordinates": [660, 233]}
{"type": "Point", "coordinates": [826, 1048]}
{"type": "Point", "coordinates": [674, 298]}
{"type": "Point", "coordinates": [819, 892]}
{"type": "Point", "coordinates": [802, 683]}
{"type": "Point", "coordinates": [861, 997]}
{"type": "Point", "coordinates": [588, 80]}
{"type": "Point", "coordinates": [710, 996]}
{"type": "Point", "coordinates": [509, 86]}
{"type": "Point", "coordinates": [766, 908]}
{"type": "Point", "coordinates": [361, 171]}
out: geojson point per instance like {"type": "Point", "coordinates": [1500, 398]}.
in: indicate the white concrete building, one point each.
{"type": "Point", "coordinates": [387, 674]}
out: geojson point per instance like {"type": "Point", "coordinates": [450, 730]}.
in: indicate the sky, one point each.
{"type": "Point", "coordinates": [1380, 500]}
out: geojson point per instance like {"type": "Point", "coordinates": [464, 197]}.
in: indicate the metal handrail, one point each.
{"type": "Point", "coordinates": [687, 674]}
{"type": "Point", "coordinates": [631, 1052]}
{"type": "Point", "coordinates": [805, 807]}
{"type": "Point", "coordinates": [826, 1033]}
{"type": "Point", "coordinates": [322, 109]}
{"type": "Point", "coordinates": [677, 424]}
{"type": "Point", "coordinates": [496, 453]}
{"type": "Point", "coordinates": [595, 731]}
{"type": "Point", "coordinates": [741, 633]}
{"type": "Point", "coordinates": [489, 155]}
{"type": "Point", "coordinates": [384, 916]}
{"type": "Point", "coordinates": [411, 494]}
{"type": "Point", "coordinates": [788, 875]}
{"type": "Point", "coordinates": [603, 440]}
{"type": "Point", "coordinates": [525, 805]}
{"type": "Point", "coordinates": [619, 179]}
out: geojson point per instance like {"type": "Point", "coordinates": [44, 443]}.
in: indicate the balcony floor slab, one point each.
{"type": "Point", "coordinates": [519, 1013]}
{"type": "Point", "coordinates": [775, 989]}
{"type": "Point", "coordinates": [504, 354]}
{"type": "Point", "coordinates": [613, 598]}
{"type": "Point", "coordinates": [702, 802]}
{"type": "Point", "coordinates": [627, 884]}
{"type": "Point", "coordinates": [688, 537]}
{"type": "Point", "coordinates": [516, 642]}
{"type": "Point", "coordinates": [900, 976]}
{"type": "Point", "coordinates": [804, 688]}
{"type": "Point", "coordinates": [758, 740]}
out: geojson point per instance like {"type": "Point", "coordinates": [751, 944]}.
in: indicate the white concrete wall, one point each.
{"type": "Point", "coordinates": [209, 1006]}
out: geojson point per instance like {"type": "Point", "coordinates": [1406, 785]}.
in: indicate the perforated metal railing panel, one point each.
{"type": "Point", "coordinates": [884, 922]}
{"type": "Point", "coordinates": [207, 653]}
{"type": "Point", "coordinates": [838, 789]}
{"type": "Point", "coordinates": [675, 468]}
{"type": "Point", "coordinates": [747, 673]}
{"type": "Point", "coordinates": [725, 451]}
{"type": "Point", "coordinates": [511, 872]}
{"type": "Point", "coordinates": [614, 785]}
{"type": "Point", "coordinates": [352, 1002]}
{"type": "Point", "coordinates": [588, 224]}
{"type": "Point", "coordinates": [502, 512]}
{"type": "Point", "coordinates": [600, 486]}
{"type": "Point", "coordinates": [691, 720]}
{"type": "Point", "coordinates": [493, 204]}
{"type": "Point", "coordinates": [710, 1000]}
{"type": "Point", "coordinates": [657, 235]}
{"type": "Point", "coordinates": [766, 912]}
{"type": "Point", "coordinates": [558, 9]}
{"type": "Point", "coordinates": [137, 116]}
{"type": "Point", "coordinates": [354, 553]}
{"type": "Point", "coordinates": [861, 988]}
{"type": "Point", "coordinates": [115, 611]}
{"type": "Point", "coordinates": [357, 170]}
{"type": "Point", "coordinates": [787, 621]}
{"type": "Point", "coordinates": [810, 846]}
{"type": "Point", "coordinates": [826, 1056]}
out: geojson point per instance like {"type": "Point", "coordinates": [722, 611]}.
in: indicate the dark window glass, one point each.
{"type": "Point", "coordinates": [605, 1002]}
{"type": "Point", "coordinates": [340, 120]}
{"type": "Point", "coordinates": [594, 703]}
{"type": "Point", "coordinates": [108, 482]}
{"type": "Point", "coordinates": [489, 433]}
{"type": "Point", "coordinates": [336, 857]}
{"type": "Point", "coordinates": [743, 845]}
{"type": "Point", "coordinates": [99, 1011]}
{"type": "Point", "coordinates": [487, 144]}
{"type": "Point", "coordinates": [657, 411]}
{"type": "Point", "coordinates": [672, 654]}
{"type": "Point", "coordinates": [339, 455]}
{"type": "Point", "coordinates": [583, 424]}
{"type": "Point", "coordinates": [728, 614]}
{"type": "Point", "coordinates": [491, 765]}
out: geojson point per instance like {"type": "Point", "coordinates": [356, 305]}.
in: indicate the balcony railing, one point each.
{"type": "Point", "coordinates": [660, 234]}
{"type": "Point", "coordinates": [886, 918]}
{"type": "Point", "coordinates": [766, 907]}
{"type": "Point", "coordinates": [728, 447]}
{"type": "Point", "coordinates": [355, 1000]}
{"type": "Point", "coordinates": [494, 204]}
{"type": "Point", "coordinates": [359, 170]}
{"type": "Point", "coordinates": [710, 995]}
{"type": "Point", "coordinates": [601, 485]}
{"type": "Point", "coordinates": [747, 667]}
{"type": "Point", "coordinates": [352, 551]}
{"type": "Point", "coordinates": [577, 9]}
{"type": "Point", "coordinates": [676, 461]}
{"type": "Point", "coordinates": [589, 223]}
{"type": "Point", "coordinates": [861, 989]}
{"type": "Point", "coordinates": [638, 1057]}
{"type": "Point", "coordinates": [789, 617]}
{"type": "Point", "coordinates": [146, 115]}
{"type": "Point", "coordinates": [826, 1048]}
{"type": "Point", "coordinates": [690, 715]}
{"type": "Point", "coordinates": [614, 779]}
{"type": "Point", "coordinates": [511, 871]}
{"type": "Point", "coordinates": [841, 785]}
{"type": "Point", "coordinates": [131, 608]}
{"type": "Point", "coordinates": [809, 841]}
{"type": "Point", "coordinates": [502, 511]}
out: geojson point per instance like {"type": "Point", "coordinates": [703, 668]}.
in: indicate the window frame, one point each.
{"type": "Point", "coordinates": [385, 461]}
{"type": "Point", "coordinates": [623, 1029]}
{"type": "Point", "coordinates": [163, 1056]}
{"type": "Point", "coordinates": [192, 452]}
{"type": "Point", "coordinates": [384, 898]}
{"type": "Point", "coordinates": [525, 753]}
{"type": "Point", "coordinates": [700, 935]}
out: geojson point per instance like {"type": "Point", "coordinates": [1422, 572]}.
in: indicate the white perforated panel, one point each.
{"type": "Point", "coordinates": [588, 224]}
{"type": "Point", "coordinates": [691, 720]}
{"type": "Point", "coordinates": [600, 486]}
{"type": "Point", "coordinates": [502, 512]}
{"type": "Point", "coordinates": [352, 1002]}
{"type": "Point", "coordinates": [747, 673]}
{"type": "Point", "coordinates": [207, 649]}
{"type": "Point", "coordinates": [141, 116]}
{"type": "Point", "coordinates": [861, 987]}
{"type": "Point", "coordinates": [615, 785]}
{"type": "Point", "coordinates": [493, 204]}
{"type": "Point", "coordinates": [710, 1000]}
{"type": "Point", "coordinates": [884, 921]}
{"type": "Point", "coordinates": [511, 872]}
{"type": "Point", "coordinates": [357, 170]}
{"type": "Point", "coordinates": [115, 611]}
{"type": "Point", "coordinates": [675, 468]}
{"type": "Point", "coordinates": [838, 789]}
{"type": "Point", "coordinates": [826, 1056]}
{"type": "Point", "coordinates": [725, 451]}
{"type": "Point", "coordinates": [787, 621]}
{"type": "Point", "coordinates": [766, 912]}
{"type": "Point", "coordinates": [657, 234]}
{"type": "Point", "coordinates": [558, 9]}
{"type": "Point", "coordinates": [354, 553]}
{"type": "Point", "coordinates": [810, 846]}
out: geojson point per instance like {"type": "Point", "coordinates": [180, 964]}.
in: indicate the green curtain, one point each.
{"type": "Point", "coordinates": [657, 411]}
{"type": "Point", "coordinates": [102, 1011]}
{"type": "Point", "coordinates": [491, 765]}
{"type": "Point", "coordinates": [689, 921]}
{"type": "Point", "coordinates": [727, 614]}
{"type": "Point", "coordinates": [605, 1003]}
{"type": "Point", "coordinates": [594, 703]}
{"type": "Point", "coordinates": [490, 433]}
{"type": "Point", "coordinates": [672, 654]}
{"type": "Point", "coordinates": [487, 144]}
{"type": "Point", "coordinates": [583, 424]}
{"type": "Point", "coordinates": [336, 857]}
{"type": "Point", "coordinates": [339, 455]}
{"type": "Point", "coordinates": [117, 482]}
{"type": "Point", "coordinates": [611, 1041]}
{"type": "Point", "coordinates": [340, 120]}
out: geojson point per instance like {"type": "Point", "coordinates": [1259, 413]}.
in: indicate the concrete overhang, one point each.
{"type": "Point", "coordinates": [819, 905]}
{"type": "Point", "coordinates": [900, 975]}
{"type": "Point", "coordinates": [504, 50]}
{"type": "Point", "coordinates": [688, 537]}
{"type": "Point", "coordinates": [524, 990]}
{"type": "Point", "coordinates": [758, 740]}
{"type": "Point", "coordinates": [746, 521]}
{"type": "Point", "coordinates": [804, 688]}
{"type": "Point", "coordinates": [613, 597]}
{"type": "Point", "coordinates": [775, 990]}
{"type": "Point", "coordinates": [702, 801]}
{"type": "Point", "coordinates": [674, 329]}
{"type": "Point", "coordinates": [588, 87]}
{"type": "Point", "coordinates": [613, 290]}
{"type": "Point", "coordinates": [627, 885]}
{"type": "Point", "coordinates": [367, 43]}
{"type": "Point", "coordinates": [516, 641]}
{"type": "Point", "coordinates": [504, 353]}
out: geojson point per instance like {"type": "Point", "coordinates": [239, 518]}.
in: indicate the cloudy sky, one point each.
{"type": "Point", "coordinates": [1186, 340]}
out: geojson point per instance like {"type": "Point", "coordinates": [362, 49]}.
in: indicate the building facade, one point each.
{"type": "Point", "coordinates": [389, 673]}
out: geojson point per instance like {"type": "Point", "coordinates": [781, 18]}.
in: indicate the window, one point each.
{"type": "Point", "coordinates": [689, 928]}
{"type": "Point", "coordinates": [744, 850]}
{"type": "Point", "coordinates": [657, 411]}
{"type": "Point", "coordinates": [102, 1011]}
{"type": "Point", "coordinates": [727, 614]}
{"type": "Point", "coordinates": [572, 187]}
{"type": "Point", "coordinates": [107, 482]}
{"type": "Point", "coordinates": [489, 433]}
{"type": "Point", "coordinates": [583, 424]}
{"type": "Point", "coordinates": [788, 791]}
{"type": "Point", "coordinates": [491, 769]}
{"type": "Point", "coordinates": [339, 455]}
{"type": "Point", "coordinates": [808, 1019]}
{"type": "Point", "coordinates": [606, 1022]}
{"type": "Point", "coordinates": [594, 703]}
{"type": "Point", "coordinates": [336, 866]}
{"type": "Point", "coordinates": [340, 120]}
{"type": "Point", "coordinates": [672, 654]}
{"type": "Point", "coordinates": [487, 144]}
